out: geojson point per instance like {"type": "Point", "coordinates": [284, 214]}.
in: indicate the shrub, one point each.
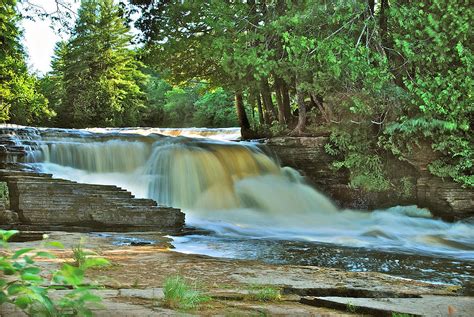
{"type": "Point", "coordinates": [24, 285]}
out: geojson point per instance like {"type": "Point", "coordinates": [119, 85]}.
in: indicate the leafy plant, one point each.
{"type": "Point", "coordinates": [24, 284]}
{"type": "Point", "coordinates": [179, 294]}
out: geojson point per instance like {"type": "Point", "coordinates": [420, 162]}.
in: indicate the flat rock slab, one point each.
{"type": "Point", "coordinates": [114, 303]}
{"type": "Point", "coordinates": [426, 305]}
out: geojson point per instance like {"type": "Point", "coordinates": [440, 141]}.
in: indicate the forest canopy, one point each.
{"type": "Point", "coordinates": [378, 77]}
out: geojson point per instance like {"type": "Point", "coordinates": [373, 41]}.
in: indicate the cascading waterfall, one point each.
{"type": "Point", "coordinates": [235, 189]}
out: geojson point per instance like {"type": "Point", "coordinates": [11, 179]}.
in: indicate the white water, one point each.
{"type": "Point", "coordinates": [236, 190]}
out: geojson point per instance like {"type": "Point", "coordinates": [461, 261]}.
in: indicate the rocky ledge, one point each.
{"type": "Point", "coordinates": [37, 200]}
{"type": "Point", "coordinates": [444, 198]}
{"type": "Point", "coordinates": [133, 284]}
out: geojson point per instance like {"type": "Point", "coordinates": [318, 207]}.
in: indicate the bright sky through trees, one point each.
{"type": "Point", "coordinates": [39, 39]}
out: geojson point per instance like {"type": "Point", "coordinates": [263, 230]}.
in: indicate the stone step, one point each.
{"type": "Point", "coordinates": [43, 201]}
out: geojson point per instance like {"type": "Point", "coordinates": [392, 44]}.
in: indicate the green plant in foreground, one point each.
{"type": "Point", "coordinates": [265, 294]}
{"type": "Point", "coordinates": [350, 307]}
{"type": "Point", "coordinates": [23, 283]}
{"type": "Point", "coordinates": [79, 254]}
{"type": "Point", "coordinates": [179, 294]}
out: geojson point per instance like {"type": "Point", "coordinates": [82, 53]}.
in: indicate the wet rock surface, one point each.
{"type": "Point", "coordinates": [443, 197]}
{"type": "Point", "coordinates": [426, 305]}
{"type": "Point", "coordinates": [135, 279]}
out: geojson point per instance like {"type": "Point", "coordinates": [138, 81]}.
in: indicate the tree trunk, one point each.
{"type": "Point", "coordinates": [260, 110]}
{"type": "Point", "coordinates": [371, 7]}
{"type": "Point", "coordinates": [283, 100]}
{"type": "Point", "coordinates": [279, 98]}
{"type": "Point", "coordinates": [242, 116]}
{"type": "Point", "coordinates": [383, 20]}
{"type": "Point", "coordinates": [267, 99]}
{"type": "Point", "coordinates": [326, 112]}
{"type": "Point", "coordinates": [286, 101]}
{"type": "Point", "coordinates": [299, 130]}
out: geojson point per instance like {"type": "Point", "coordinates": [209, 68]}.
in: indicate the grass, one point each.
{"type": "Point", "coordinates": [350, 307]}
{"type": "Point", "coordinates": [264, 294]}
{"type": "Point", "coordinates": [79, 255]}
{"type": "Point", "coordinates": [180, 295]}
{"type": "Point", "coordinates": [401, 315]}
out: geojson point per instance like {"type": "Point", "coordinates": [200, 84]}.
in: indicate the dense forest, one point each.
{"type": "Point", "coordinates": [377, 77]}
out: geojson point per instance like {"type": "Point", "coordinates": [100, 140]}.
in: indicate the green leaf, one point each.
{"type": "Point", "coordinates": [95, 262]}
{"type": "Point", "coordinates": [55, 244]}
{"type": "Point", "coordinates": [31, 270]}
{"type": "Point", "coordinates": [72, 275]}
{"type": "Point", "coordinates": [23, 301]}
{"type": "Point", "coordinates": [7, 234]}
{"type": "Point", "coordinates": [31, 277]}
{"type": "Point", "coordinates": [45, 255]}
{"type": "Point", "coordinates": [20, 252]}
{"type": "Point", "coordinates": [3, 298]}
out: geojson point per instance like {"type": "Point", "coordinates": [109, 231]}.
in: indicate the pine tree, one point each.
{"type": "Point", "coordinates": [20, 101]}
{"type": "Point", "coordinates": [101, 74]}
{"type": "Point", "coordinates": [52, 84]}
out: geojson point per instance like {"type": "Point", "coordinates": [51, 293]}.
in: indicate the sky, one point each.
{"type": "Point", "coordinates": [39, 39]}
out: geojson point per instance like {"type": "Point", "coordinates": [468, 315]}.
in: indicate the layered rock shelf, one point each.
{"type": "Point", "coordinates": [39, 201]}
{"type": "Point", "coordinates": [443, 197]}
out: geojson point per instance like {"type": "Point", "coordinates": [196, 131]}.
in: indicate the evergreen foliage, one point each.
{"type": "Point", "coordinates": [100, 74]}
{"type": "Point", "coordinates": [20, 101]}
{"type": "Point", "coordinates": [381, 76]}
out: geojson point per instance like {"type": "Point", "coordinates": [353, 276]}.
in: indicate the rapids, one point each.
{"type": "Point", "coordinates": [237, 190]}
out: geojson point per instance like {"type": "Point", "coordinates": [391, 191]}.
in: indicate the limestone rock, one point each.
{"type": "Point", "coordinates": [44, 202]}
{"type": "Point", "coordinates": [444, 198]}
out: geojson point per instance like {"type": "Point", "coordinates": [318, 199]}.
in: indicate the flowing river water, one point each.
{"type": "Point", "coordinates": [251, 207]}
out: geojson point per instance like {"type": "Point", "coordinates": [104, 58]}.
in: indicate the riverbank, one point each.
{"type": "Point", "coordinates": [412, 183]}
{"type": "Point", "coordinates": [133, 283]}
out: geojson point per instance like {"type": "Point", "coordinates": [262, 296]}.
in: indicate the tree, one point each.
{"type": "Point", "coordinates": [101, 76]}
{"type": "Point", "coordinates": [435, 56]}
{"type": "Point", "coordinates": [376, 74]}
{"type": "Point", "coordinates": [52, 84]}
{"type": "Point", "coordinates": [20, 101]}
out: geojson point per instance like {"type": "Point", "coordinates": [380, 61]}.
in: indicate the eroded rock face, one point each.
{"type": "Point", "coordinates": [40, 201]}
{"type": "Point", "coordinates": [444, 198]}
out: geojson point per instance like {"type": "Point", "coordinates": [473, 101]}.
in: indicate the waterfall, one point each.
{"type": "Point", "coordinates": [237, 189]}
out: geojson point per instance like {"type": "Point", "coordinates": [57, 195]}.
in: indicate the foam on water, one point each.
{"type": "Point", "coordinates": [236, 190]}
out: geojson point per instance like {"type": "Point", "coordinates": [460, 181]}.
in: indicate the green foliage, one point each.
{"type": "Point", "coordinates": [215, 109]}
{"type": "Point", "coordinates": [20, 101]}
{"type": "Point", "coordinates": [264, 294]}
{"type": "Point", "coordinates": [350, 307]}
{"type": "Point", "coordinates": [23, 284]}
{"type": "Point", "coordinates": [434, 40]}
{"type": "Point", "coordinates": [98, 75]}
{"type": "Point", "coordinates": [179, 294]}
{"type": "Point", "coordinates": [187, 105]}
{"type": "Point", "coordinates": [382, 78]}
{"type": "Point", "coordinates": [406, 187]}
{"type": "Point", "coordinates": [4, 195]}
{"type": "Point", "coordinates": [366, 169]}
{"type": "Point", "coordinates": [277, 128]}
{"type": "Point", "coordinates": [79, 254]}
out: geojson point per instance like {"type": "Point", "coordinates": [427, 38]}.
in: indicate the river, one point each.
{"type": "Point", "coordinates": [252, 208]}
